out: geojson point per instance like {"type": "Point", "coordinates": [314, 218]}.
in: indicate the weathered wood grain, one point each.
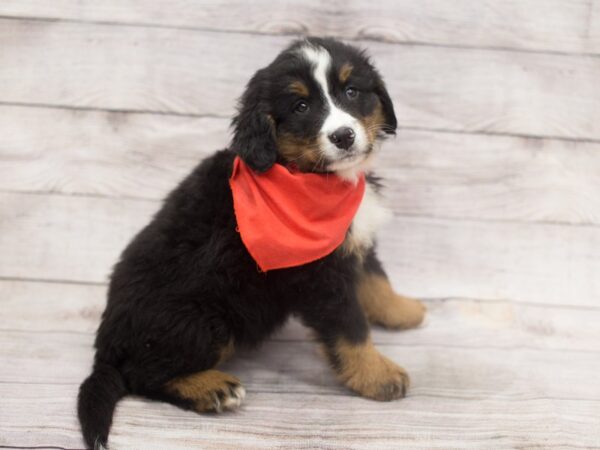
{"type": "Point", "coordinates": [471, 386]}
{"type": "Point", "coordinates": [41, 307]}
{"type": "Point", "coordinates": [102, 153]}
{"type": "Point", "coordinates": [155, 69]}
{"type": "Point", "coordinates": [66, 238]}
{"type": "Point", "coordinates": [426, 173]}
{"type": "Point", "coordinates": [286, 420]}
{"type": "Point", "coordinates": [556, 25]}
{"type": "Point", "coordinates": [435, 371]}
{"type": "Point", "coordinates": [492, 178]}
{"type": "Point", "coordinates": [500, 387]}
{"type": "Point", "coordinates": [45, 308]}
{"type": "Point", "coordinates": [80, 238]}
{"type": "Point", "coordinates": [297, 366]}
{"type": "Point", "coordinates": [538, 263]}
{"type": "Point", "coordinates": [511, 363]}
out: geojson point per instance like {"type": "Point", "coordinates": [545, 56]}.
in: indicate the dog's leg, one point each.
{"type": "Point", "coordinates": [206, 390]}
{"type": "Point", "coordinates": [363, 369]}
{"type": "Point", "coordinates": [210, 390]}
{"type": "Point", "coordinates": [342, 328]}
{"type": "Point", "coordinates": [384, 307]}
{"type": "Point", "coordinates": [381, 304]}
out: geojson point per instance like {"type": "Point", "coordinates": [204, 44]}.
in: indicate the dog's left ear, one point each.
{"type": "Point", "coordinates": [388, 107]}
{"type": "Point", "coordinates": [254, 129]}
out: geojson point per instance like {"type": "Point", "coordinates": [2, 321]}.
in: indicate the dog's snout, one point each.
{"type": "Point", "coordinates": [343, 137]}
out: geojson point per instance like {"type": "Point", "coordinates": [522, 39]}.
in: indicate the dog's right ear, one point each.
{"type": "Point", "coordinates": [253, 126]}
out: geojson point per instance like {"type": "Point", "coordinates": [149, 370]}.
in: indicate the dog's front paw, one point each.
{"type": "Point", "coordinates": [384, 381]}
{"type": "Point", "coordinates": [364, 370]}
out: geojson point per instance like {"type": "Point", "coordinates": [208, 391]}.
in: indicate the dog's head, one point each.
{"type": "Point", "coordinates": [320, 105]}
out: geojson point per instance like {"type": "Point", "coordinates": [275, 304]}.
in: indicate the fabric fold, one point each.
{"type": "Point", "coordinates": [288, 218]}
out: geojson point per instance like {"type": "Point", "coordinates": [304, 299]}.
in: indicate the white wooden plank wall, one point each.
{"type": "Point", "coordinates": [494, 179]}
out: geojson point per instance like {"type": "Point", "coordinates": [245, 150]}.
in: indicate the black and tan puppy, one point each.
{"type": "Point", "coordinates": [186, 292]}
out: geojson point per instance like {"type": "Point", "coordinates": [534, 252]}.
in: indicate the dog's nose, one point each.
{"type": "Point", "coordinates": [343, 137]}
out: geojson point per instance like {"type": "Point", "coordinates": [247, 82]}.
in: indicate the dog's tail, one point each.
{"type": "Point", "coordinates": [98, 396]}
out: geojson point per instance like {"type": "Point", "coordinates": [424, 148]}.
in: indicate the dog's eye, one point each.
{"type": "Point", "coordinates": [301, 107]}
{"type": "Point", "coordinates": [351, 92]}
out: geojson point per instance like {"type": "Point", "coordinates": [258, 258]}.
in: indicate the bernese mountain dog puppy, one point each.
{"type": "Point", "coordinates": [187, 292]}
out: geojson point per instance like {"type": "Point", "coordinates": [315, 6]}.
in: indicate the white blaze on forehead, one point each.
{"type": "Point", "coordinates": [336, 117]}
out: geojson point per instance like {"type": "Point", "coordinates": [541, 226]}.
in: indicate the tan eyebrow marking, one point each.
{"type": "Point", "coordinates": [298, 87]}
{"type": "Point", "coordinates": [345, 72]}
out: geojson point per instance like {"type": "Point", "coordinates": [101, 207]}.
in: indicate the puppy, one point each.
{"type": "Point", "coordinates": [187, 291]}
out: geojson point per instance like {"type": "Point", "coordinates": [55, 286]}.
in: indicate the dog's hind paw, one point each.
{"type": "Point", "coordinates": [211, 390]}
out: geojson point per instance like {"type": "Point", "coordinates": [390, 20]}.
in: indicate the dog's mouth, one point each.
{"type": "Point", "coordinates": [350, 159]}
{"type": "Point", "coordinates": [311, 156]}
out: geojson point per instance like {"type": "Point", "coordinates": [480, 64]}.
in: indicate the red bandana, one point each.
{"type": "Point", "coordinates": [288, 218]}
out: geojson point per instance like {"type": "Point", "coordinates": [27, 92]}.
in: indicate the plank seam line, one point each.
{"type": "Point", "coordinates": [43, 447]}
{"type": "Point", "coordinates": [228, 117]}
{"type": "Point", "coordinates": [500, 133]}
{"type": "Point", "coordinates": [308, 340]}
{"type": "Point", "coordinates": [134, 198]}
{"type": "Point", "coordinates": [343, 393]}
{"type": "Point", "coordinates": [490, 220]}
{"type": "Point", "coordinates": [426, 299]}
{"type": "Point", "coordinates": [292, 34]}
{"type": "Point", "coordinates": [412, 393]}
{"type": "Point", "coordinates": [113, 110]}
{"type": "Point", "coordinates": [505, 300]}
{"type": "Point", "coordinates": [445, 346]}
{"type": "Point", "coordinates": [53, 281]}
{"type": "Point", "coordinates": [159, 201]}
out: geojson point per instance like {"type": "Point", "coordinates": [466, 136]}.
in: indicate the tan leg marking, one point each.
{"type": "Point", "coordinates": [384, 307]}
{"type": "Point", "coordinates": [366, 371]}
{"type": "Point", "coordinates": [210, 390]}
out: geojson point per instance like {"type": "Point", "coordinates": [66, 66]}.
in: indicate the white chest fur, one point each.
{"type": "Point", "coordinates": [371, 214]}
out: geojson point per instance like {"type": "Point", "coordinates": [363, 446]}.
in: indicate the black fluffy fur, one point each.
{"type": "Point", "coordinates": [186, 285]}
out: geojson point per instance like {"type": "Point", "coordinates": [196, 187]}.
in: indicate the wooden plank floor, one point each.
{"type": "Point", "coordinates": [494, 180]}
